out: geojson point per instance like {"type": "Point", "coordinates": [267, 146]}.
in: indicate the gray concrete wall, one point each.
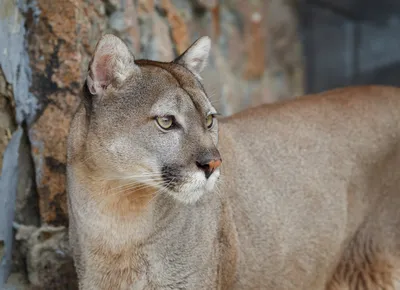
{"type": "Point", "coordinates": [341, 51]}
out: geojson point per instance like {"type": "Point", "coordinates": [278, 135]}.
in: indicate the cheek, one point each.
{"type": "Point", "coordinates": [117, 145]}
{"type": "Point", "coordinates": [129, 152]}
{"type": "Point", "coordinates": [121, 151]}
{"type": "Point", "coordinates": [169, 146]}
{"type": "Point", "coordinates": [214, 135]}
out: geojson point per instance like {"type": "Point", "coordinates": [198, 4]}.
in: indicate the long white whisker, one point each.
{"type": "Point", "coordinates": [138, 182]}
{"type": "Point", "coordinates": [132, 189]}
{"type": "Point", "coordinates": [122, 177]}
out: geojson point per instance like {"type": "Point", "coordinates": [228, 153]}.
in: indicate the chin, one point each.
{"type": "Point", "coordinates": [195, 187]}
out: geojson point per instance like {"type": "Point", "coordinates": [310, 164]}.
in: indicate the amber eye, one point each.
{"type": "Point", "coordinates": [209, 121]}
{"type": "Point", "coordinates": [165, 122]}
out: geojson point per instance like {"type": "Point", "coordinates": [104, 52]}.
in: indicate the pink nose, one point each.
{"type": "Point", "coordinates": [214, 164]}
{"type": "Point", "coordinates": [209, 166]}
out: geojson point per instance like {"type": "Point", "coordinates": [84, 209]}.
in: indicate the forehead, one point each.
{"type": "Point", "coordinates": [177, 86]}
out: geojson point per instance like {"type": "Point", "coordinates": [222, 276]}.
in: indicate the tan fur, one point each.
{"type": "Point", "coordinates": [328, 165]}
{"type": "Point", "coordinates": [309, 194]}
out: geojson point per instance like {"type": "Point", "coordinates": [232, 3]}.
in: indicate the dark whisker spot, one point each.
{"type": "Point", "coordinates": [171, 176]}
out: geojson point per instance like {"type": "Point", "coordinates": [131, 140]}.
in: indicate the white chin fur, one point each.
{"type": "Point", "coordinates": [196, 187]}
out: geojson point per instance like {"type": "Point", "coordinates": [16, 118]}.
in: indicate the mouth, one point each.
{"type": "Point", "coordinates": [188, 188]}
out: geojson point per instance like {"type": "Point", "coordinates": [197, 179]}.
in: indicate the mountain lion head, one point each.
{"type": "Point", "coordinates": [150, 123]}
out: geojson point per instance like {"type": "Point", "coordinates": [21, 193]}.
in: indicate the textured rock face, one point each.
{"type": "Point", "coordinates": [255, 59]}
{"type": "Point", "coordinates": [59, 43]}
{"type": "Point", "coordinates": [7, 123]}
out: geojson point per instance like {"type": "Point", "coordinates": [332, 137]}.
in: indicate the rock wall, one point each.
{"type": "Point", "coordinates": [45, 47]}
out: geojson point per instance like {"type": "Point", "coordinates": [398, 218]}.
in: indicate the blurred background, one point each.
{"type": "Point", "coordinates": [263, 51]}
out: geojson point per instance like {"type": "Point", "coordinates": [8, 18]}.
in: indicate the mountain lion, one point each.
{"type": "Point", "coordinates": [164, 194]}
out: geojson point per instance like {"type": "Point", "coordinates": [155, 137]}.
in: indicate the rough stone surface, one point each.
{"type": "Point", "coordinates": [177, 26]}
{"type": "Point", "coordinates": [49, 261]}
{"type": "Point", "coordinates": [57, 72]}
{"type": "Point", "coordinates": [26, 211]}
{"type": "Point", "coordinates": [17, 107]}
{"type": "Point", "coordinates": [7, 123]}
{"type": "Point", "coordinates": [17, 281]}
{"type": "Point", "coordinates": [14, 60]}
{"type": "Point", "coordinates": [44, 53]}
{"type": "Point", "coordinates": [26, 206]}
{"type": "Point", "coordinates": [8, 193]}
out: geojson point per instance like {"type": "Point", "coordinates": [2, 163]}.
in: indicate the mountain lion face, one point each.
{"type": "Point", "coordinates": [151, 124]}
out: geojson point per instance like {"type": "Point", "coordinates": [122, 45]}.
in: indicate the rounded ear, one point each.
{"type": "Point", "coordinates": [196, 56]}
{"type": "Point", "coordinates": [111, 63]}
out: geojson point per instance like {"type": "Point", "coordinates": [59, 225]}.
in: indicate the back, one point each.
{"type": "Point", "coordinates": [305, 178]}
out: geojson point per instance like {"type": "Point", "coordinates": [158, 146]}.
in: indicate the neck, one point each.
{"type": "Point", "coordinates": [119, 233]}
{"type": "Point", "coordinates": [164, 229]}
{"type": "Point", "coordinates": [120, 213]}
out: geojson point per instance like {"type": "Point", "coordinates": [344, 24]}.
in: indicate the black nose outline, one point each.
{"type": "Point", "coordinates": [208, 162]}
